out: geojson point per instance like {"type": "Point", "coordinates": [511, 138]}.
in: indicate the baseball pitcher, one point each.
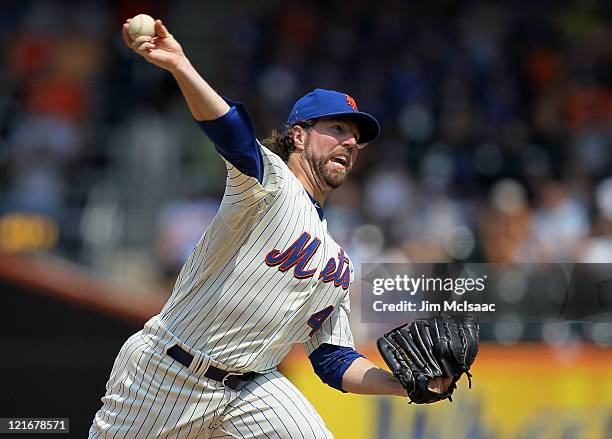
{"type": "Point", "coordinates": [265, 275]}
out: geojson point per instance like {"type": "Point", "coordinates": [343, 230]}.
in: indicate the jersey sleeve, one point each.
{"type": "Point", "coordinates": [335, 330]}
{"type": "Point", "coordinates": [243, 190]}
{"type": "Point", "coordinates": [234, 139]}
{"type": "Point", "coordinates": [253, 172]}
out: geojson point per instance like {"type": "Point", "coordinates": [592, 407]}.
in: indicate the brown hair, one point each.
{"type": "Point", "coordinates": [282, 143]}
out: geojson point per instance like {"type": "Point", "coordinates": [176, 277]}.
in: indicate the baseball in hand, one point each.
{"type": "Point", "coordinates": [142, 24]}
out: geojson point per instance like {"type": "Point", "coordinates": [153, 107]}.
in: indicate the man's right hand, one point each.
{"type": "Point", "coordinates": [162, 50]}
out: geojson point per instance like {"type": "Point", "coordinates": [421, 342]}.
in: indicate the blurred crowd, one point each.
{"type": "Point", "coordinates": [496, 143]}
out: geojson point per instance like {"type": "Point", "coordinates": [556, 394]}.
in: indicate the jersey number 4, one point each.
{"type": "Point", "coordinates": [316, 320]}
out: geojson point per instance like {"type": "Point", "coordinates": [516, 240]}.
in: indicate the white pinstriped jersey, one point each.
{"type": "Point", "coordinates": [263, 276]}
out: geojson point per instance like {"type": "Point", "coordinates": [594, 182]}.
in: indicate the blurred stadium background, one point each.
{"type": "Point", "coordinates": [496, 147]}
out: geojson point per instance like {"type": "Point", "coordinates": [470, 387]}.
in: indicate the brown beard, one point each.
{"type": "Point", "coordinates": [319, 166]}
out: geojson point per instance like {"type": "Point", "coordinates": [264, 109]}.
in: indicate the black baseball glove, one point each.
{"type": "Point", "coordinates": [440, 346]}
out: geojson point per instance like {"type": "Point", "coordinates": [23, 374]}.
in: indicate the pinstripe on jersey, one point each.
{"type": "Point", "coordinates": [264, 275]}
{"type": "Point", "coordinates": [244, 313]}
{"type": "Point", "coordinates": [151, 395]}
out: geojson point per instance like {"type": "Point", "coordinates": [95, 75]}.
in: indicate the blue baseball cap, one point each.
{"type": "Point", "coordinates": [324, 103]}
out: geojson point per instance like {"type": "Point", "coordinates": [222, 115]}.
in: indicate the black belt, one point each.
{"type": "Point", "coordinates": [232, 380]}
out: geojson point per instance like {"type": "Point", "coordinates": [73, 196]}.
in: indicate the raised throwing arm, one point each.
{"type": "Point", "coordinates": [165, 52]}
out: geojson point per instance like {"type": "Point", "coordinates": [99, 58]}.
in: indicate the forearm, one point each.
{"type": "Point", "coordinates": [164, 51]}
{"type": "Point", "coordinates": [203, 102]}
{"type": "Point", "coordinates": [365, 377]}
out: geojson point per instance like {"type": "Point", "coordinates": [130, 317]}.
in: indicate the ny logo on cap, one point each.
{"type": "Point", "coordinates": [351, 102]}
